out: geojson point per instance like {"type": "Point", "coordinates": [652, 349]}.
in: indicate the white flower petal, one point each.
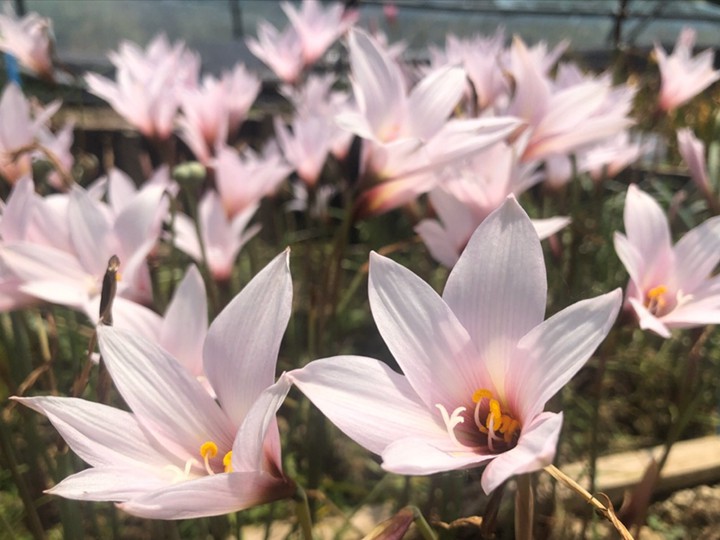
{"type": "Point", "coordinates": [367, 400]}
{"type": "Point", "coordinates": [242, 344]}
{"type": "Point", "coordinates": [498, 287]}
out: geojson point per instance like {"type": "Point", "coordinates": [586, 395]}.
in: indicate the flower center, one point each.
{"type": "Point", "coordinates": [499, 424]}
{"type": "Point", "coordinates": [497, 428]}
{"type": "Point", "coordinates": [656, 300]}
{"type": "Point", "coordinates": [208, 451]}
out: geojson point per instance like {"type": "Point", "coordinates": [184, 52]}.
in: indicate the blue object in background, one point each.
{"type": "Point", "coordinates": [12, 69]}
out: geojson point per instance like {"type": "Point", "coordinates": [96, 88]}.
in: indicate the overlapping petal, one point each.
{"type": "Point", "coordinates": [482, 280]}
{"type": "Point", "coordinates": [242, 343]}
{"type": "Point", "coordinates": [368, 401]}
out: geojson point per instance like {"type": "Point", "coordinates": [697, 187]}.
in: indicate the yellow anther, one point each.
{"type": "Point", "coordinates": [118, 277]}
{"type": "Point", "coordinates": [208, 450]}
{"type": "Point", "coordinates": [495, 414]}
{"type": "Point", "coordinates": [481, 394]}
{"type": "Point", "coordinates": [510, 426]}
{"type": "Point", "coordinates": [656, 292]}
{"type": "Point", "coordinates": [227, 461]}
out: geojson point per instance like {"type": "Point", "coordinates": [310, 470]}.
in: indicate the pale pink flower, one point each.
{"type": "Point", "coordinates": [565, 115]}
{"type": "Point", "coordinates": [318, 27]}
{"type": "Point", "coordinates": [692, 151]}
{"type": "Point", "coordinates": [409, 134]}
{"type": "Point", "coordinates": [242, 179]}
{"type": "Point", "coordinates": [216, 109]}
{"type": "Point", "coordinates": [281, 52]}
{"type": "Point", "coordinates": [148, 84]}
{"type": "Point", "coordinates": [670, 286]}
{"type": "Point", "coordinates": [222, 237]}
{"type": "Point", "coordinates": [122, 191]}
{"type": "Point", "coordinates": [19, 129]}
{"type": "Point", "coordinates": [28, 217]}
{"type": "Point", "coordinates": [181, 331]}
{"type": "Point", "coordinates": [16, 223]}
{"type": "Point", "coordinates": [684, 76]}
{"type": "Point", "coordinates": [317, 98]}
{"type": "Point", "coordinates": [180, 453]}
{"type": "Point", "coordinates": [73, 278]}
{"type": "Point", "coordinates": [608, 158]}
{"type": "Point", "coordinates": [59, 146]}
{"type": "Point", "coordinates": [480, 57]}
{"type": "Point", "coordinates": [479, 363]}
{"type": "Point", "coordinates": [471, 191]}
{"type": "Point", "coordinates": [307, 147]}
{"type": "Point", "coordinates": [28, 39]}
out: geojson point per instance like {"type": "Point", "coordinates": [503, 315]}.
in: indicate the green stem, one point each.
{"type": "Point", "coordinates": [302, 510]}
{"type": "Point", "coordinates": [524, 508]}
{"type": "Point", "coordinates": [422, 526]}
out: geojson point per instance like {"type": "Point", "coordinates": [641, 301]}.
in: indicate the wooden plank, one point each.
{"type": "Point", "coordinates": [690, 463]}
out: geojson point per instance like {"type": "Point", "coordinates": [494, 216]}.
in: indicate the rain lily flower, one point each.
{"type": "Point", "coordinates": [480, 57]}
{"type": "Point", "coordinates": [280, 51]}
{"type": "Point", "coordinates": [318, 27]}
{"type": "Point", "coordinates": [28, 39]}
{"type": "Point", "coordinates": [148, 84]}
{"type": "Point", "coordinates": [222, 237]}
{"type": "Point", "coordinates": [181, 331]}
{"type": "Point", "coordinates": [58, 145]}
{"type": "Point", "coordinates": [316, 98]}
{"type": "Point", "coordinates": [472, 190]}
{"type": "Point", "coordinates": [73, 278]}
{"type": "Point", "coordinates": [670, 286]}
{"type": "Point", "coordinates": [608, 158]}
{"type": "Point", "coordinates": [180, 453]}
{"type": "Point", "coordinates": [566, 114]}
{"type": "Point", "coordinates": [215, 110]}
{"type": "Point", "coordinates": [408, 134]}
{"type": "Point", "coordinates": [306, 148]}
{"type": "Point", "coordinates": [19, 129]}
{"type": "Point", "coordinates": [479, 363]}
{"type": "Point", "coordinates": [16, 222]}
{"type": "Point", "coordinates": [244, 178]}
{"type": "Point", "coordinates": [692, 151]}
{"type": "Point", "coordinates": [684, 76]}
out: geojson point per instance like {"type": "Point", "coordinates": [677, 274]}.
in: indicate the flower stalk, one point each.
{"type": "Point", "coordinates": [605, 511]}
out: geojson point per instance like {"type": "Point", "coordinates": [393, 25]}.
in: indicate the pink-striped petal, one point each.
{"type": "Point", "coordinates": [432, 348]}
{"type": "Point", "coordinates": [697, 254]}
{"type": "Point", "coordinates": [420, 457]}
{"type": "Point", "coordinates": [110, 484]}
{"type": "Point", "coordinates": [535, 450]}
{"type": "Point", "coordinates": [102, 436]}
{"type": "Point", "coordinates": [242, 344]}
{"type": "Point", "coordinates": [552, 352]}
{"type": "Point", "coordinates": [368, 401]}
{"type": "Point", "coordinates": [186, 322]}
{"type": "Point", "coordinates": [498, 287]}
{"type": "Point", "coordinates": [168, 402]}
{"type": "Point", "coordinates": [249, 448]}
{"type": "Point", "coordinates": [209, 496]}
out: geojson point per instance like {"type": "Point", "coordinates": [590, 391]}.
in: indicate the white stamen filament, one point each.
{"type": "Point", "coordinates": [181, 474]}
{"type": "Point", "coordinates": [451, 420]}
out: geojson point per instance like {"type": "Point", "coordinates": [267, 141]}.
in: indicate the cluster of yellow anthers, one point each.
{"type": "Point", "coordinates": [496, 421]}
{"type": "Point", "coordinates": [209, 450]}
{"type": "Point", "coordinates": [656, 299]}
